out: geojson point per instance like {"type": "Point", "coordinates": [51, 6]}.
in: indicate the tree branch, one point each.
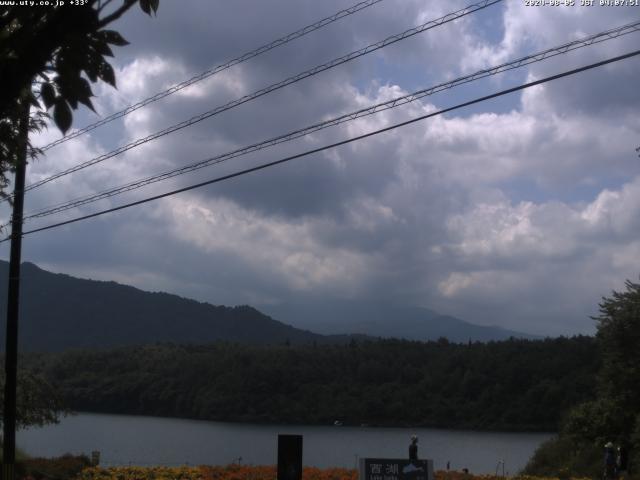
{"type": "Point", "coordinates": [117, 14]}
{"type": "Point", "coordinates": [102, 6]}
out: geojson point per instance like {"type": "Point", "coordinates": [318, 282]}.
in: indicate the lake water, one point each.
{"type": "Point", "coordinates": [124, 440]}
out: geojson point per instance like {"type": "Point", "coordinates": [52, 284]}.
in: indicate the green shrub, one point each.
{"type": "Point", "coordinates": [65, 467]}
{"type": "Point", "coordinates": [562, 456]}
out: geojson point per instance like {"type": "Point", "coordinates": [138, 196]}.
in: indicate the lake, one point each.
{"type": "Point", "coordinates": [124, 440]}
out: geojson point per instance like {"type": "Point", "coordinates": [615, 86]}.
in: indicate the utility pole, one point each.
{"type": "Point", "coordinates": [13, 297]}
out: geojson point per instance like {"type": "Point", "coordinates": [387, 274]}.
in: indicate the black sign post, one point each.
{"type": "Point", "coordinates": [395, 469]}
{"type": "Point", "coordinates": [289, 457]}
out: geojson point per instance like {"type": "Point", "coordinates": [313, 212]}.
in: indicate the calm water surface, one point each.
{"type": "Point", "coordinates": [124, 440]}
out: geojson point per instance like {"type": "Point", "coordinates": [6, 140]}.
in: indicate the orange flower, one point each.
{"type": "Point", "coordinates": [261, 472]}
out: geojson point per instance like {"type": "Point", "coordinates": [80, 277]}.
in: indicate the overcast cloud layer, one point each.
{"type": "Point", "coordinates": [520, 212]}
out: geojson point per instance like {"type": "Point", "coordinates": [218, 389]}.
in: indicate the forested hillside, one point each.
{"type": "Point", "coordinates": [96, 314]}
{"type": "Point", "coordinates": [516, 384]}
{"type": "Point", "coordinates": [59, 312]}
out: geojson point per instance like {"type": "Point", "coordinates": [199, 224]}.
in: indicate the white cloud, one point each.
{"type": "Point", "coordinates": [505, 250]}
{"type": "Point", "coordinates": [532, 232]}
{"type": "Point", "coordinates": [289, 250]}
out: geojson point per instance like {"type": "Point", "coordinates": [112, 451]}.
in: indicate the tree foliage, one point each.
{"type": "Point", "coordinates": [614, 415]}
{"type": "Point", "coordinates": [37, 401]}
{"type": "Point", "coordinates": [616, 410]}
{"type": "Point", "coordinates": [515, 385]}
{"type": "Point", "coordinates": [619, 341]}
{"type": "Point", "coordinates": [49, 57]}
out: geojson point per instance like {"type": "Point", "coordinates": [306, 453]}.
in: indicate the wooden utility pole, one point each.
{"type": "Point", "coordinates": [13, 297]}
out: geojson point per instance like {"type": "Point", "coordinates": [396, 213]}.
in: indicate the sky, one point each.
{"type": "Point", "coordinates": [521, 212]}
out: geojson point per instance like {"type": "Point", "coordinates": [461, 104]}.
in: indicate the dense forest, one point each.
{"type": "Point", "coordinates": [508, 385]}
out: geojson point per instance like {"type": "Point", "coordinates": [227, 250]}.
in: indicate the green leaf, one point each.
{"type": "Point", "coordinates": [62, 115]}
{"type": "Point", "coordinates": [145, 5]}
{"type": "Point", "coordinates": [101, 48]}
{"type": "Point", "coordinates": [113, 37]}
{"type": "Point", "coordinates": [48, 95]}
{"type": "Point", "coordinates": [84, 93]}
{"type": "Point", "coordinates": [92, 67]}
{"type": "Point", "coordinates": [107, 74]}
{"type": "Point", "coordinates": [71, 60]}
{"type": "Point", "coordinates": [83, 88]}
{"type": "Point", "coordinates": [74, 89]}
{"type": "Point", "coordinates": [149, 6]}
{"type": "Point", "coordinates": [87, 103]}
{"type": "Point", "coordinates": [67, 87]}
{"type": "Point", "coordinates": [72, 101]}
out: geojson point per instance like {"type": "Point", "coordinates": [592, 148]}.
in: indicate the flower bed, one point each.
{"type": "Point", "coordinates": [236, 472]}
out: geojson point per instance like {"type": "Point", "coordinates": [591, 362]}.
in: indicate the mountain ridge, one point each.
{"type": "Point", "coordinates": [380, 319]}
{"type": "Point", "coordinates": [59, 312]}
{"type": "Point", "coordinates": [105, 314]}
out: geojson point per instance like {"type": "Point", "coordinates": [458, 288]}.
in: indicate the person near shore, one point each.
{"type": "Point", "coordinates": [413, 448]}
{"type": "Point", "coordinates": [622, 462]}
{"type": "Point", "coordinates": [609, 462]}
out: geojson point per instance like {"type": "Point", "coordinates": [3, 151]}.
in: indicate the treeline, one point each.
{"type": "Point", "coordinates": [509, 385]}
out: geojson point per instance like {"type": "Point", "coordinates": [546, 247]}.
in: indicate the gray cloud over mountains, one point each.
{"type": "Point", "coordinates": [521, 213]}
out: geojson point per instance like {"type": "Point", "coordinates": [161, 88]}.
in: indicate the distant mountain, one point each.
{"type": "Point", "coordinates": [58, 312]}
{"type": "Point", "coordinates": [385, 320]}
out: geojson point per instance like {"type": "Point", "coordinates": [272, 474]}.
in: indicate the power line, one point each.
{"type": "Point", "coordinates": [337, 144]}
{"type": "Point", "coordinates": [529, 59]}
{"type": "Point", "coordinates": [276, 86]}
{"type": "Point", "coordinates": [296, 78]}
{"type": "Point", "coordinates": [204, 75]}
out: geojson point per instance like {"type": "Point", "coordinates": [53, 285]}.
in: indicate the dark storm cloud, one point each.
{"type": "Point", "coordinates": [419, 216]}
{"type": "Point", "coordinates": [203, 33]}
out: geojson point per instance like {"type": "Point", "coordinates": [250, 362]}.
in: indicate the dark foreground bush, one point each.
{"type": "Point", "coordinates": [561, 456]}
{"type": "Point", "coordinates": [65, 467]}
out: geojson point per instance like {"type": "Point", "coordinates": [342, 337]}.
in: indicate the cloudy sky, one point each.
{"type": "Point", "coordinates": [520, 212]}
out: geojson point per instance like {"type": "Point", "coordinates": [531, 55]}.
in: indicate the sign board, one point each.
{"type": "Point", "coordinates": [395, 469]}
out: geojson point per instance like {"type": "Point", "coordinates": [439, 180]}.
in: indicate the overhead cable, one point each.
{"type": "Point", "coordinates": [204, 75]}
{"type": "Point", "coordinates": [296, 78]}
{"type": "Point", "coordinates": [333, 145]}
{"type": "Point", "coordinates": [393, 103]}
